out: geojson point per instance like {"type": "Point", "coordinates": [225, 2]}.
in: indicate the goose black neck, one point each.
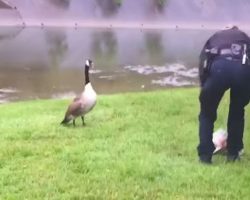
{"type": "Point", "coordinates": [86, 75]}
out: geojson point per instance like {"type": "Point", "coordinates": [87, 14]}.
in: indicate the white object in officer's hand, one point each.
{"type": "Point", "coordinates": [220, 140]}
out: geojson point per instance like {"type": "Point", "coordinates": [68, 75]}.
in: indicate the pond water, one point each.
{"type": "Point", "coordinates": [45, 62]}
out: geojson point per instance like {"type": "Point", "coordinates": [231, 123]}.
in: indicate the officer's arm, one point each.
{"type": "Point", "coordinates": [202, 59]}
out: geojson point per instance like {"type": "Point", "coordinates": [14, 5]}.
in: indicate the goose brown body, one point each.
{"type": "Point", "coordinates": [83, 104]}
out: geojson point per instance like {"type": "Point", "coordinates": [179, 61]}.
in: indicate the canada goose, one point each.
{"type": "Point", "coordinates": [81, 105]}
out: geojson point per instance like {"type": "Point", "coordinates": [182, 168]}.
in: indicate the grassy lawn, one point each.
{"type": "Point", "coordinates": [134, 146]}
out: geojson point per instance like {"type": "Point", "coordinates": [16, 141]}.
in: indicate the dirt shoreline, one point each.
{"type": "Point", "coordinates": [119, 24]}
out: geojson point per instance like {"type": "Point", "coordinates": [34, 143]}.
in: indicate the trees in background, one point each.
{"type": "Point", "coordinates": [61, 3]}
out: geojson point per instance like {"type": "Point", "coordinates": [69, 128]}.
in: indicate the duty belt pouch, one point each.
{"type": "Point", "coordinates": [210, 56]}
{"type": "Point", "coordinates": [206, 60]}
{"type": "Point", "coordinates": [237, 50]}
{"type": "Point", "coordinates": [241, 52]}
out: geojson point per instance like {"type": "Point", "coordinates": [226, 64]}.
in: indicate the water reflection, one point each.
{"type": "Point", "coordinates": [9, 32]}
{"type": "Point", "coordinates": [154, 45]}
{"type": "Point", "coordinates": [57, 46]}
{"type": "Point", "coordinates": [104, 45]}
{"type": "Point", "coordinates": [48, 62]}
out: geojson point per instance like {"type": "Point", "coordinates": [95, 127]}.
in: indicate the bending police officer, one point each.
{"type": "Point", "coordinates": [224, 65]}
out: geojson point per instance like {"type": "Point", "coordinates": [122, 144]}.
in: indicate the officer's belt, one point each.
{"type": "Point", "coordinates": [226, 52]}
{"type": "Point", "coordinates": [223, 52]}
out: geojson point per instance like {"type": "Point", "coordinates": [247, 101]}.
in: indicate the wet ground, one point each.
{"type": "Point", "coordinates": [45, 62]}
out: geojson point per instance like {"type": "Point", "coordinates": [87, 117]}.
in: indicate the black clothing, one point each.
{"type": "Point", "coordinates": [225, 71]}
{"type": "Point", "coordinates": [225, 39]}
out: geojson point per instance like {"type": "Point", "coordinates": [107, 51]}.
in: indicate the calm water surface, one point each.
{"type": "Point", "coordinates": [49, 62]}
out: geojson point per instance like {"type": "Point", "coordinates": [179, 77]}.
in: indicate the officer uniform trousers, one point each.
{"type": "Point", "coordinates": [224, 74]}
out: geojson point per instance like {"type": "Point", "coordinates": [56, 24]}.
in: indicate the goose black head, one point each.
{"type": "Point", "coordinates": [89, 63]}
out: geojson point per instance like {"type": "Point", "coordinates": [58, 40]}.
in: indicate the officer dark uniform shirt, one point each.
{"type": "Point", "coordinates": [224, 65]}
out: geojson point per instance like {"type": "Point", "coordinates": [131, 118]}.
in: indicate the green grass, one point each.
{"type": "Point", "coordinates": [134, 146]}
